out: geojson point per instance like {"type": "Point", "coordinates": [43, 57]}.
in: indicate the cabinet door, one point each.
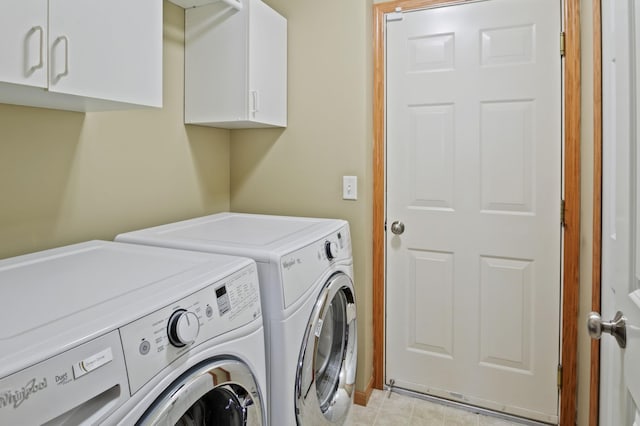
{"type": "Point", "coordinates": [215, 65]}
{"type": "Point", "coordinates": [267, 65]}
{"type": "Point", "coordinates": [107, 49]}
{"type": "Point", "coordinates": [23, 33]}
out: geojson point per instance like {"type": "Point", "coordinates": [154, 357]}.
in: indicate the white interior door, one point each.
{"type": "Point", "coordinates": [620, 367]}
{"type": "Point", "coordinates": [474, 176]}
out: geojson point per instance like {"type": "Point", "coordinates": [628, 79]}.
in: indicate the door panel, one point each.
{"type": "Point", "coordinates": [474, 174]}
{"type": "Point", "coordinates": [620, 373]}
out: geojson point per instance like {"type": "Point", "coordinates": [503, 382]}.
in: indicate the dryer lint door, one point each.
{"type": "Point", "coordinates": [325, 376]}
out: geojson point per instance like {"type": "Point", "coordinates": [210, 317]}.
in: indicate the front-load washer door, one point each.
{"type": "Point", "coordinates": [221, 393]}
{"type": "Point", "coordinates": [326, 371]}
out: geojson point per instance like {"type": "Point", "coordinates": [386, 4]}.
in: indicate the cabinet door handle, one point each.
{"type": "Point", "coordinates": [64, 39]}
{"type": "Point", "coordinates": [41, 63]}
{"type": "Point", "coordinates": [256, 100]}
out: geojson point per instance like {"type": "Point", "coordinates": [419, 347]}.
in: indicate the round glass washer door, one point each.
{"type": "Point", "coordinates": [326, 371]}
{"type": "Point", "coordinates": [221, 393]}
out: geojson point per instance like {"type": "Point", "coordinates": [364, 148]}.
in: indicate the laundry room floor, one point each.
{"type": "Point", "coordinates": [402, 410]}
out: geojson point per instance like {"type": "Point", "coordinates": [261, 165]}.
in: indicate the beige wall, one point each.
{"type": "Point", "coordinates": [67, 177]}
{"type": "Point", "coordinates": [298, 170]}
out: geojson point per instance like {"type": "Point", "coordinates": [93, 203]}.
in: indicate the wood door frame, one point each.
{"type": "Point", "coordinates": [571, 260]}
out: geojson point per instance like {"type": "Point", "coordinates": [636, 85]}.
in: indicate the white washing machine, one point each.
{"type": "Point", "coordinates": [306, 270]}
{"type": "Point", "coordinates": [111, 333]}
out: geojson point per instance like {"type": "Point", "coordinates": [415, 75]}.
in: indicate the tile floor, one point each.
{"type": "Point", "coordinates": [402, 410]}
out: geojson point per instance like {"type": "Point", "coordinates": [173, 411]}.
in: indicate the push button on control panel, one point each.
{"type": "Point", "coordinates": [145, 347]}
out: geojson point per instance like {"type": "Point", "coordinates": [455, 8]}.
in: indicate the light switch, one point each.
{"type": "Point", "coordinates": [349, 187]}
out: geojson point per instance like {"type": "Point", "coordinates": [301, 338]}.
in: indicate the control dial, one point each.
{"type": "Point", "coordinates": [331, 248]}
{"type": "Point", "coordinates": [183, 328]}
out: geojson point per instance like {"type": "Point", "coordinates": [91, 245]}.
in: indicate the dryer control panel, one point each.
{"type": "Point", "coordinates": [158, 339]}
{"type": "Point", "coordinates": [300, 268]}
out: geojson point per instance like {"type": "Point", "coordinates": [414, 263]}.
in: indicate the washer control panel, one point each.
{"type": "Point", "coordinates": [156, 340]}
{"type": "Point", "coordinates": [300, 266]}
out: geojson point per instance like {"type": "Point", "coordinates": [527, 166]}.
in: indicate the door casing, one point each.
{"type": "Point", "coordinates": [571, 231]}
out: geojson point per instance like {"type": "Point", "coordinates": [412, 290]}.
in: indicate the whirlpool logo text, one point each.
{"type": "Point", "coordinates": [15, 398]}
{"type": "Point", "coordinates": [290, 263]}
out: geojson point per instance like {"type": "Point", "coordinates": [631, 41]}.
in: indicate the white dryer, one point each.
{"type": "Point", "coordinates": [111, 333]}
{"type": "Point", "coordinates": [306, 279]}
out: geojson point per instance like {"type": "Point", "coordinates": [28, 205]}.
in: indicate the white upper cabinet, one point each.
{"type": "Point", "coordinates": [235, 66]}
{"type": "Point", "coordinates": [88, 55]}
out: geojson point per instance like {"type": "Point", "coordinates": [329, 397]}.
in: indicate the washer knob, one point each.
{"type": "Point", "coordinates": [183, 328]}
{"type": "Point", "coordinates": [331, 248]}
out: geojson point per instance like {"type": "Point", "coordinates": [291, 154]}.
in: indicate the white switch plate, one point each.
{"type": "Point", "coordinates": [349, 187]}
